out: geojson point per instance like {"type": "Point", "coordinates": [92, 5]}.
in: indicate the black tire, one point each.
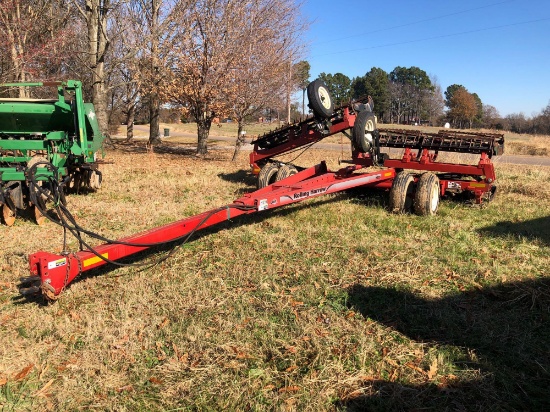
{"type": "Point", "coordinates": [267, 175]}
{"type": "Point", "coordinates": [401, 193]}
{"type": "Point", "coordinates": [363, 131]}
{"type": "Point", "coordinates": [286, 171]}
{"type": "Point", "coordinates": [320, 100]}
{"type": "Point", "coordinates": [426, 198]}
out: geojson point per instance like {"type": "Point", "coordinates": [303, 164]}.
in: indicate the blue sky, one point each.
{"type": "Point", "coordinates": [496, 48]}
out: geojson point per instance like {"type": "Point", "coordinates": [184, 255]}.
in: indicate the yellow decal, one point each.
{"type": "Point", "coordinates": [94, 260]}
{"type": "Point", "coordinates": [388, 174]}
{"type": "Point", "coordinates": [477, 185]}
{"type": "Point", "coordinates": [57, 263]}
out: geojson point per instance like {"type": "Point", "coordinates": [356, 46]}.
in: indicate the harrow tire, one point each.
{"type": "Point", "coordinates": [286, 171]}
{"type": "Point", "coordinates": [426, 198]}
{"type": "Point", "coordinates": [363, 131]}
{"type": "Point", "coordinates": [401, 193]}
{"type": "Point", "coordinates": [320, 100]}
{"type": "Point", "coordinates": [268, 175]}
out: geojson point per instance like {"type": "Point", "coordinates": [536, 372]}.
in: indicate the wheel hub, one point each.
{"type": "Point", "coordinates": [325, 97]}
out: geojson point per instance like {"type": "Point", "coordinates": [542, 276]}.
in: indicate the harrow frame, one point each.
{"type": "Point", "coordinates": [51, 273]}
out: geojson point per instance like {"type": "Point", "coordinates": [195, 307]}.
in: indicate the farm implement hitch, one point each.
{"type": "Point", "coordinates": [51, 273]}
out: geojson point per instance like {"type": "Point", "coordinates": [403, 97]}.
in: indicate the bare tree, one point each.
{"type": "Point", "coordinates": [124, 80]}
{"type": "Point", "coordinates": [95, 14]}
{"type": "Point", "coordinates": [139, 73]}
{"type": "Point", "coordinates": [434, 103]}
{"type": "Point", "coordinates": [31, 33]}
{"type": "Point", "coordinates": [543, 120]}
{"type": "Point", "coordinates": [122, 41]}
{"type": "Point", "coordinates": [491, 116]}
{"type": "Point", "coordinates": [214, 43]}
{"type": "Point", "coordinates": [400, 100]}
{"type": "Point", "coordinates": [120, 68]}
{"type": "Point", "coordinates": [517, 122]}
{"type": "Point", "coordinates": [260, 80]}
{"type": "Point", "coordinates": [153, 23]}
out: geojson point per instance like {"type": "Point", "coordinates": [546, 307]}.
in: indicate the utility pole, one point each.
{"type": "Point", "coordinates": [289, 87]}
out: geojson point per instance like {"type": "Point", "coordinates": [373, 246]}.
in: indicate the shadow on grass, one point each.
{"type": "Point", "coordinates": [503, 331]}
{"type": "Point", "coordinates": [241, 176]}
{"type": "Point", "coordinates": [179, 149]}
{"type": "Point", "coordinates": [369, 197]}
{"type": "Point", "coordinates": [535, 229]}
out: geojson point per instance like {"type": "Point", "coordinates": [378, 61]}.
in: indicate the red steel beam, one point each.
{"type": "Point", "coordinates": [57, 271]}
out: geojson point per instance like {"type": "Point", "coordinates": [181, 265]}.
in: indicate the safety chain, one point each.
{"type": "Point", "coordinates": [68, 271]}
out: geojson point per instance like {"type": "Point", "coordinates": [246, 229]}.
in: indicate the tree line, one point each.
{"type": "Point", "coordinates": [209, 59]}
{"type": "Point", "coordinates": [409, 95]}
{"type": "Point", "coordinates": [206, 59]}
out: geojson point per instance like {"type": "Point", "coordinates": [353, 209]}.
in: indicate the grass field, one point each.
{"type": "Point", "coordinates": [331, 304]}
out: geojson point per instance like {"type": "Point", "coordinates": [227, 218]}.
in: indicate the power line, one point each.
{"type": "Point", "coordinates": [417, 22]}
{"type": "Point", "coordinates": [433, 38]}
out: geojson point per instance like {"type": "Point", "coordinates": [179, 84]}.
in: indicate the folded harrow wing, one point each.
{"type": "Point", "coordinates": [415, 181]}
{"type": "Point", "coordinates": [419, 167]}
{"type": "Point", "coordinates": [325, 122]}
{"type": "Point", "coordinates": [45, 139]}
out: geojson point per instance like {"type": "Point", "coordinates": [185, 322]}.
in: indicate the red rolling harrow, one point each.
{"type": "Point", "coordinates": [416, 181]}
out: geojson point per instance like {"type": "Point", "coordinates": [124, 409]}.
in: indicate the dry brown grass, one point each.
{"type": "Point", "coordinates": [516, 144]}
{"type": "Point", "coordinates": [304, 308]}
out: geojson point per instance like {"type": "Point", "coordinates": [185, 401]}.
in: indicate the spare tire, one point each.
{"type": "Point", "coordinates": [363, 131]}
{"type": "Point", "coordinates": [319, 99]}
